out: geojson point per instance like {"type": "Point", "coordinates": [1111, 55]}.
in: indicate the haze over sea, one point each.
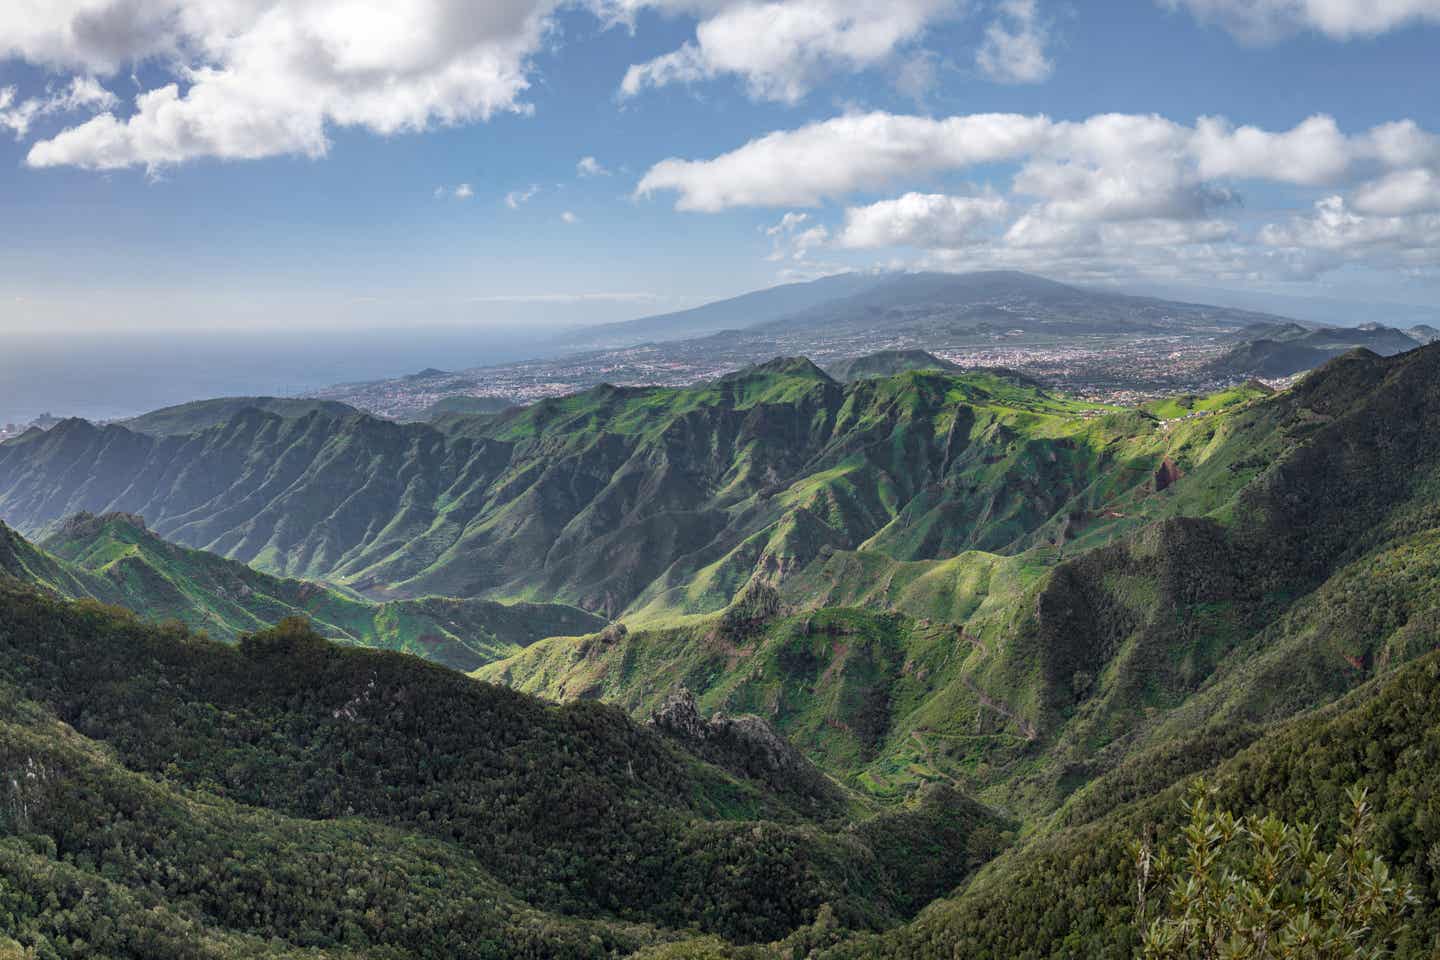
{"type": "Point", "coordinates": [108, 375]}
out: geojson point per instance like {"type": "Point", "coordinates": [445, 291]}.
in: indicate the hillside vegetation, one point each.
{"type": "Point", "coordinates": [1291, 558]}
{"type": "Point", "coordinates": [924, 637]}
{"type": "Point", "coordinates": [169, 796]}
{"type": "Point", "coordinates": [116, 560]}
{"type": "Point", "coordinates": [620, 499]}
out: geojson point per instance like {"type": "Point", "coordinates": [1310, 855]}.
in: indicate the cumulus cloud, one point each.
{"type": "Point", "coordinates": [1335, 227]}
{"type": "Point", "coordinates": [569, 217]}
{"type": "Point", "coordinates": [1160, 197]}
{"type": "Point", "coordinates": [779, 49]}
{"type": "Point", "coordinates": [257, 78]}
{"type": "Point", "coordinates": [840, 156]}
{"type": "Point", "coordinates": [1406, 191]}
{"type": "Point", "coordinates": [1014, 47]}
{"type": "Point", "coordinates": [931, 221]}
{"type": "Point", "coordinates": [1115, 166]}
{"type": "Point", "coordinates": [1262, 21]}
{"type": "Point", "coordinates": [464, 192]}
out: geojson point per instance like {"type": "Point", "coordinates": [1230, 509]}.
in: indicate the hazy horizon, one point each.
{"type": "Point", "coordinates": [103, 375]}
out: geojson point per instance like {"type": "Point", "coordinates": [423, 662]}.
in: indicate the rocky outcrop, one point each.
{"type": "Point", "coordinates": [88, 524]}
{"type": "Point", "coordinates": [749, 746]}
{"type": "Point", "coordinates": [1167, 475]}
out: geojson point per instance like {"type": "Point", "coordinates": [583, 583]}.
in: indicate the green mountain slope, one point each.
{"type": "Point", "coordinates": [1291, 556]}
{"type": "Point", "coordinates": [1069, 890]}
{"type": "Point", "coordinates": [888, 363]}
{"type": "Point", "coordinates": [116, 560]}
{"type": "Point", "coordinates": [172, 796]}
{"type": "Point", "coordinates": [188, 418]}
{"type": "Point", "coordinates": [935, 585]}
{"type": "Point", "coordinates": [614, 498]}
{"type": "Point", "coordinates": [1284, 350]}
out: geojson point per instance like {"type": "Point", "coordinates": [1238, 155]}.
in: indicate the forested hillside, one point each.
{"type": "Point", "coordinates": [853, 641]}
{"type": "Point", "coordinates": [172, 796]}
{"type": "Point", "coordinates": [1293, 557]}
{"type": "Point", "coordinates": [618, 499]}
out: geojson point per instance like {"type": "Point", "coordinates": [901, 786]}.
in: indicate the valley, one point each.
{"type": "Point", "coordinates": [890, 659]}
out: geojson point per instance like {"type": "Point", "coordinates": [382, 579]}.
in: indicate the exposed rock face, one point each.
{"type": "Point", "coordinates": [88, 524]}
{"type": "Point", "coordinates": [680, 716]}
{"type": "Point", "coordinates": [1167, 476]}
{"type": "Point", "coordinates": [747, 745]}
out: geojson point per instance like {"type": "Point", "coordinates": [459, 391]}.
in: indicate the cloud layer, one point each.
{"type": "Point", "coordinates": [1111, 188]}
{"type": "Point", "coordinates": [1263, 21]}
{"type": "Point", "coordinates": [260, 78]}
{"type": "Point", "coordinates": [257, 78]}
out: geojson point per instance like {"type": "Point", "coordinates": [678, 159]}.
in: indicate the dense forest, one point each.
{"type": "Point", "coordinates": [290, 789]}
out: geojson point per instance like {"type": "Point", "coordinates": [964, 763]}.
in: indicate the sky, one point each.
{"type": "Point", "coordinates": [354, 166]}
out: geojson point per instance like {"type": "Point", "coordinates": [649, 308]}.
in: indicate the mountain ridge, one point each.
{"type": "Point", "coordinates": [116, 560]}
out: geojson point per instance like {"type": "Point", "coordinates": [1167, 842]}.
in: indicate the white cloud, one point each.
{"type": "Point", "coordinates": [1111, 166]}
{"type": "Point", "coordinates": [837, 157]}
{"type": "Point", "coordinates": [1314, 152]}
{"type": "Point", "coordinates": [932, 221]}
{"type": "Point", "coordinates": [779, 49]}
{"type": "Point", "coordinates": [82, 94]}
{"type": "Point", "coordinates": [590, 167]}
{"type": "Point", "coordinates": [89, 36]}
{"type": "Point", "coordinates": [1334, 227]}
{"type": "Point", "coordinates": [1406, 191]}
{"type": "Point", "coordinates": [16, 116]}
{"type": "Point", "coordinates": [569, 217]}
{"type": "Point", "coordinates": [464, 192]}
{"type": "Point", "coordinates": [1261, 21]}
{"type": "Point", "coordinates": [258, 78]}
{"type": "Point", "coordinates": [515, 199]}
{"type": "Point", "coordinates": [1111, 195]}
{"type": "Point", "coordinates": [1014, 47]}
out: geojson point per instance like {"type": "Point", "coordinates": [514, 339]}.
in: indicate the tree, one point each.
{"type": "Point", "coordinates": [1262, 889]}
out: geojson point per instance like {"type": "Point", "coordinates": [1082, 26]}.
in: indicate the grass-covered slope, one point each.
{"type": "Point", "coordinates": [888, 363]}
{"type": "Point", "coordinates": [1291, 556]}
{"type": "Point", "coordinates": [199, 415]}
{"type": "Point", "coordinates": [615, 498]}
{"type": "Point", "coordinates": [1070, 889]}
{"type": "Point", "coordinates": [115, 559]}
{"type": "Point", "coordinates": [167, 795]}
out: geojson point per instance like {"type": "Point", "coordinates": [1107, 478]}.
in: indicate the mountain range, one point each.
{"type": "Point", "coordinates": [1277, 351]}
{"type": "Point", "coordinates": [894, 659]}
{"type": "Point", "coordinates": [848, 301]}
{"type": "Point", "coordinates": [1095, 337]}
{"type": "Point", "coordinates": [115, 559]}
{"type": "Point", "coordinates": [733, 313]}
{"type": "Point", "coordinates": [619, 499]}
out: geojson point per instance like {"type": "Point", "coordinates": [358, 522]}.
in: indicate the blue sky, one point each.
{"type": "Point", "coordinates": [321, 167]}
